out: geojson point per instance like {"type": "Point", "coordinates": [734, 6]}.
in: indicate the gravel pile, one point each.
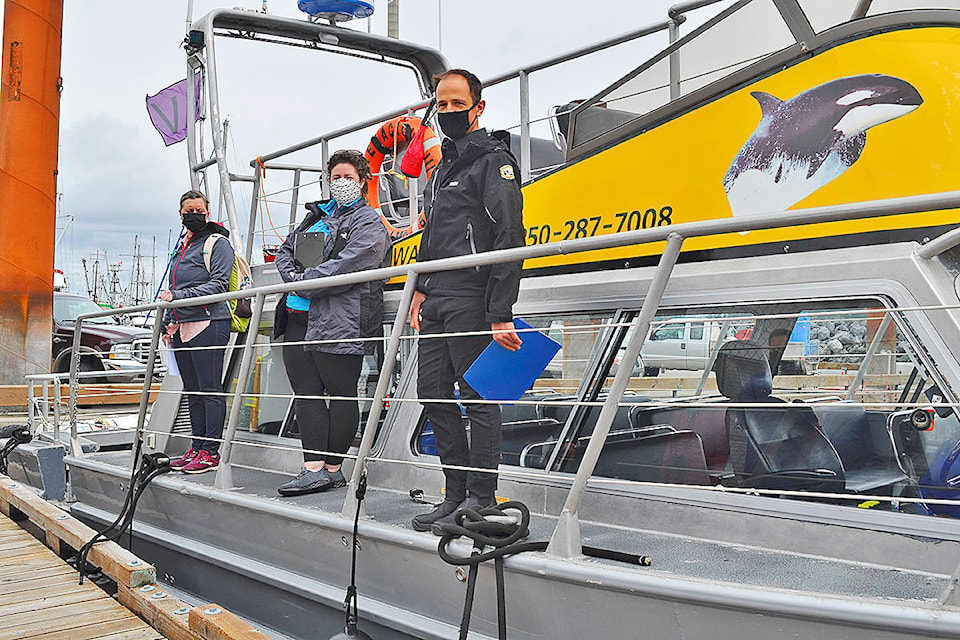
{"type": "Point", "coordinates": [844, 341]}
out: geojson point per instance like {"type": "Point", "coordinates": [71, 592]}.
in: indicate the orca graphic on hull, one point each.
{"type": "Point", "coordinates": [803, 143]}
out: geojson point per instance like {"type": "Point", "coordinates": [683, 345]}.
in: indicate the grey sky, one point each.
{"type": "Point", "coordinates": [119, 181]}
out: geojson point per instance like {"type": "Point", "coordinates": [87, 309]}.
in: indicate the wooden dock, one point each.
{"type": "Point", "coordinates": [40, 597]}
{"type": "Point", "coordinates": [40, 594]}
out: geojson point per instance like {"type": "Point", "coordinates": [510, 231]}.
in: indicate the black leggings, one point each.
{"type": "Point", "coordinates": [315, 373]}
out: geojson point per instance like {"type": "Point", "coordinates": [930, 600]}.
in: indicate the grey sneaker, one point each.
{"type": "Point", "coordinates": [312, 482]}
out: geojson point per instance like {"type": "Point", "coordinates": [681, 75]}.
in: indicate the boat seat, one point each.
{"type": "Point", "coordinates": [786, 447]}
{"type": "Point", "coordinates": [527, 424]}
{"type": "Point", "coordinates": [708, 423]}
{"type": "Point", "coordinates": [674, 457]}
{"type": "Point", "coordinates": [848, 430]}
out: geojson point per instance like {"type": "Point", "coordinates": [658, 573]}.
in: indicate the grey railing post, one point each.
{"type": "Point", "coordinates": [713, 356]}
{"type": "Point", "coordinates": [216, 130]}
{"type": "Point", "coordinates": [57, 397]}
{"type": "Point", "coordinates": [74, 368]}
{"type": "Point", "coordinates": [294, 199]}
{"type": "Point", "coordinates": [673, 30]}
{"type": "Point", "coordinates": [31, 405]}
{"type": "Point", "coordinates": [224, 478]}
{"type": "Point", "coordinates": [376, 406]}
{"type": "Point", "coordinates": [324, 181]}
{"type": "Point", "coordinates": [525, 163]}
{"type": "Point", "coordinates": [868, 356]}
{"type": "Point", "coordinates": [860, 11]}
{"type": "Point", "coordinates": [566, 540]}
{"type": "Point", "coordinates": [148, 381]}
{"type": "Point", "coordinates": [252, 226]}
{"type": "Point", "coordinates": [192, 126]}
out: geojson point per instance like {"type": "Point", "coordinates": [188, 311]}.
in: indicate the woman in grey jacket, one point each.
{"type": "Point", "coordinates": [331, 321]}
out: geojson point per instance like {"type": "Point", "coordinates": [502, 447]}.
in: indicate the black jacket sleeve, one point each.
{"type": "Point", "coordinates": [503, 204]}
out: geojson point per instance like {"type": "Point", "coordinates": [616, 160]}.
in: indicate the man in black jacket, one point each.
{"type": "Point", "coordinates": [472, 204]}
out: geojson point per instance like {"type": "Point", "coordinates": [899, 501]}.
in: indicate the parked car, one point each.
{"type": "Point", "coordinates": [105, 344]}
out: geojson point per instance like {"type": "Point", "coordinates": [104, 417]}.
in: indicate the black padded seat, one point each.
{"type": "Point", "coordinates": [786, 448]}
{"type": "Point", "coordinates": [848, 429]}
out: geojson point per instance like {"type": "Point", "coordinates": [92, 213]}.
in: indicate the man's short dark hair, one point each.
{"type": "Point", "coordinates": [357, 161]}
{"type": "Point", "coordinates": [194, 195]}
{"type": "Point", "coordinates": [476, 87]}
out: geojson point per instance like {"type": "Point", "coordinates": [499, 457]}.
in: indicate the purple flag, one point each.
{"type": "Point", "coordinates": [168, 111]}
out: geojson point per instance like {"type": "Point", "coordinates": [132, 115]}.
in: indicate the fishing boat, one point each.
{"type": "Point", "coordinates": [779, 177]}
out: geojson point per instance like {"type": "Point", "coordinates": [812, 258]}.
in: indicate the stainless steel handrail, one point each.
{"type": "Point", "coordinates": [566, 535]}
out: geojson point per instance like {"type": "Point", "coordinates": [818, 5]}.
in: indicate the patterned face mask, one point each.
{"type": "Point", "coordinates": [344, 191]}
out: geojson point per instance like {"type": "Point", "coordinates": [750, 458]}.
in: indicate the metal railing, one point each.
{"type": "Point", "coordinates": [266, 161]}
{"type": "Point", "coordinates": [566, 538]}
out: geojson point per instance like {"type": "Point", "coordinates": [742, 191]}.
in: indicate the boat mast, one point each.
{"type": "Point", "coordinates": [29, 125]}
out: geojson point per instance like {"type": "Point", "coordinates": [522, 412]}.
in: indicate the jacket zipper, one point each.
{"type": "Point", "coordinates": [473, 245]}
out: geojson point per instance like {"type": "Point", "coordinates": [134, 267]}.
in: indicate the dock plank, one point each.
{"type": "Point", "coordinates": [40, 597]}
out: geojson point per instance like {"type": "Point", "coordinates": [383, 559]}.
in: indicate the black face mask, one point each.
{"type": "Point", "coordinates": [455, 124]}
{"type": "Point", "coordinates": [194, 221]}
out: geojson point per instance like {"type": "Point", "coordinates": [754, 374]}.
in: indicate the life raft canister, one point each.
{"type": "Point", "coordinates": [399, 130]}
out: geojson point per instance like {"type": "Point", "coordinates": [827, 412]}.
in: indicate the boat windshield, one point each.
{"type": "Point", "coordinates": [824, 15]}
{"type": "Point", "coordinates": [709, 54]}
{"type": "Point", "coordinates": [66, 310]}
{"type": "Point", "coordinates": [713, 51]}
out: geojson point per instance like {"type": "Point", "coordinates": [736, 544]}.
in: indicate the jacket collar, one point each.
{"type": "Point", "coordinates": [208, 230]}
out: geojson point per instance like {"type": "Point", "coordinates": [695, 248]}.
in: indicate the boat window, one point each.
{"type": "Point", "coordinates": [706, 55]}
{"type": "Point", "coordinates": [824, 15]}
{"type": "Point", "coordinates": [532, 424]}
{"type": "Point", "coordinates": [783, 399]}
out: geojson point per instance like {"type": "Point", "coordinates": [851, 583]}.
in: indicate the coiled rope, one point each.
{"type": "Point", "coordinates": [495, 535]}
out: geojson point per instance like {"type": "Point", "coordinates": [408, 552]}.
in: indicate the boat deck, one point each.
{"type": "Point", "coordinates": [697, 558]}
{"type": "Point", "coordinates": [40, 597]}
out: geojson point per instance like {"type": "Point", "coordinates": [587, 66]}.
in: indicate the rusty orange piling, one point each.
{"type": "Point", "coordinates": [29, 128]}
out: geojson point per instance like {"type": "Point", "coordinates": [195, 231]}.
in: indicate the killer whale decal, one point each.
{"type": "Point", "coordinates": [803, 143]}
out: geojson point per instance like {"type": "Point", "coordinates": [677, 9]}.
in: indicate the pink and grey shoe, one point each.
{"type": "Point", "coordinates": [203, 462]}
{"type": "Point", "coordinates": [179, 463]}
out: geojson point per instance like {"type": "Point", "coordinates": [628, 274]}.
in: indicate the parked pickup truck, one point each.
{"type": "Point", "coordinates": [687, 343]}
{"type": "Point", "coordinates": [105, 344]}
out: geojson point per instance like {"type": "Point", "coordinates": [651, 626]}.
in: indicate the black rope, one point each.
{"type": "Point", "coordinates": [502, 534]}
{"type": "Point", "coordinates": [350, 603]}
{"type": "Point", "coordinates": [16, 437]}
{"type": "Point", "coordinates": [492, 527]}
{"type": "Point", "coordinates": [151, 465]}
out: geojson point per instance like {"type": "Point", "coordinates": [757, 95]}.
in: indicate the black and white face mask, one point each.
{"type": "Point", "coordinates": [344, 190]}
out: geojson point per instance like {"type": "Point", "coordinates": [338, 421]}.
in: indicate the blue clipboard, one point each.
{"type": "Point", "coordinates": [499, 374]}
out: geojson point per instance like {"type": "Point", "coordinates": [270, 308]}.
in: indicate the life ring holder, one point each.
{"type": "Point", "coordinates": [385, 141]}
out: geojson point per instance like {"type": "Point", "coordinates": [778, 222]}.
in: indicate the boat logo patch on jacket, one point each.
{"type": "Point", "coordinates": [506, 172]}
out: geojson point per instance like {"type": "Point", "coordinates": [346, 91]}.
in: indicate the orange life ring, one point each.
{"type": "Point", "coordinates": [395, 131]}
